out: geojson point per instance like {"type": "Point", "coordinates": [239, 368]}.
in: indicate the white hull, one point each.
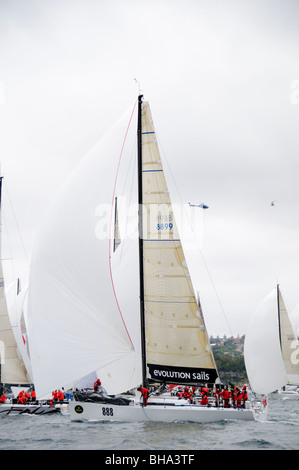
{"type": "Point", "coordinates": [288, 393]}
{"type": "Point", "coordinates": [86, 411]}
{"type": "Point", "coordinates": [39, 409]}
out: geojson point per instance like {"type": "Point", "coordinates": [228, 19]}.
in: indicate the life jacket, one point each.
{"type": "Point", "coordinates": [226, 395]}
{"type": "Point", "coordinates": [2, 399]}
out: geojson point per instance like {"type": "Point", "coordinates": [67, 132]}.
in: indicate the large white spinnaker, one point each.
{"type": "Point", "coordinates": [77, 322]}
{"type": "Point", "coordinates": [262, 350]}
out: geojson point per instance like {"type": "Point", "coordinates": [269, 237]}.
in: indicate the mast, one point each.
{"type": "Point", "coordinates": [140, 232]}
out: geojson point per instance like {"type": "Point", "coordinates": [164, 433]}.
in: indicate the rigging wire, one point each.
{"type": "Point", "coordinates": [111, 218]}
{"type": "Point", "coordinates": [200, 251]}
{"type": "Point", "coordinates": [130, 185]}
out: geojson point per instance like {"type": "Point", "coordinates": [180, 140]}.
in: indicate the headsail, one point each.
{"type": "Point", "coordinates": [77, 323]}
{"type": "Point", "coordinates": [177, 344]}
{"type": "Point", "coordinates": [13, 370]}
{"type": "Point", "coordinates": [288, 341]}
{"type": "Point", "coordinates": [262, 349]}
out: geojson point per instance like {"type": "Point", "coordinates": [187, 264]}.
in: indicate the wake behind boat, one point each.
{"type": "Point", "coordinates": [109, 299]}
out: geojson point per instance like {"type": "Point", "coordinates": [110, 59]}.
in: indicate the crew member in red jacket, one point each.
{"type": "Point", "coordinates": [3, 397]}
{"type": "Point", "coordinates": [244, 395]}
{"type": "Point", "coordinates": [144, 393]}
{"type": "Point", "coordinates": [204, 400]}
{"type": "Point", "coordinates": [226, 397]}
{"type": "Point", "coordinates": [97, 385]}
{"type": "Point", "coordinates": [239, 399]}
{"type": "Point", "coordinates": [33, 396]}
{"type": "Point", "coordinates": [22, 400]}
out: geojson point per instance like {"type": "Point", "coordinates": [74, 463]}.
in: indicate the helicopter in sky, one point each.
{"type": "Point", "coordinates": [202, 205]}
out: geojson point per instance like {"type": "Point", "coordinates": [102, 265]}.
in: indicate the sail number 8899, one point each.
{"type": "Point", "coordinates": [164, 226]}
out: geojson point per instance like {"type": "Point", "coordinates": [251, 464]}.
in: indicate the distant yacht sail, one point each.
{"type": "Point", "coordinates": [270, 343]}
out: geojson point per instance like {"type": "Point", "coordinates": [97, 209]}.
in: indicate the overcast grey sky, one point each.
{"type": "Point", "coordinates": [222, 77]}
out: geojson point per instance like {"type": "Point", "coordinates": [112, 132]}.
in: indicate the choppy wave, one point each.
{"type": "Point", "coordinates": [56, 432]}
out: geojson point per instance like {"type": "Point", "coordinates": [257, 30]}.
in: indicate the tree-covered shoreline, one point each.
{"type": "Point", "coordinates": [229, 358]}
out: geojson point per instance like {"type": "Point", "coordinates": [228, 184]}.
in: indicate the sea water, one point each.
{"type": "Point", "coordinates": [57, 432]}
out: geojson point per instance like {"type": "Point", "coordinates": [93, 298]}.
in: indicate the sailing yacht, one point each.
{"type": "Point", "coordinates": [110, 291]}
{"type": "Point", "coordinates": [271, 348]}
{"type": "Point", "coordinates": [15, 371]}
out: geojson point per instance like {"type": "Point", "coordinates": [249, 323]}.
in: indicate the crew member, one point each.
{"type": "Point", "coordinates": [97, 385]}
{"type": "Point", "coordinates": [204, 400]}
{"type": "Point", "coordinates": [187, 394]}
{"type": "Point", "coordinates": [244, 395]}
{"type": "Point", "coordinates": [33, 396]}
{"type": "Point", "coordinates": [144, 394]}
{"type": "Point", "coordinates": [22, 400]}
{"type": "Point", "coordinates": [239, 399]}
{"type": "Point", "coordinates": [226, 397]}
{"type": "Point", "coordinates": [3, 397]}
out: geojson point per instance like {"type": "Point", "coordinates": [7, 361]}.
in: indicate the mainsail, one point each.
{"type": "Point", "coordinates": [13, 370]}
{"type": "Point", "coordinates": [177, 344]}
